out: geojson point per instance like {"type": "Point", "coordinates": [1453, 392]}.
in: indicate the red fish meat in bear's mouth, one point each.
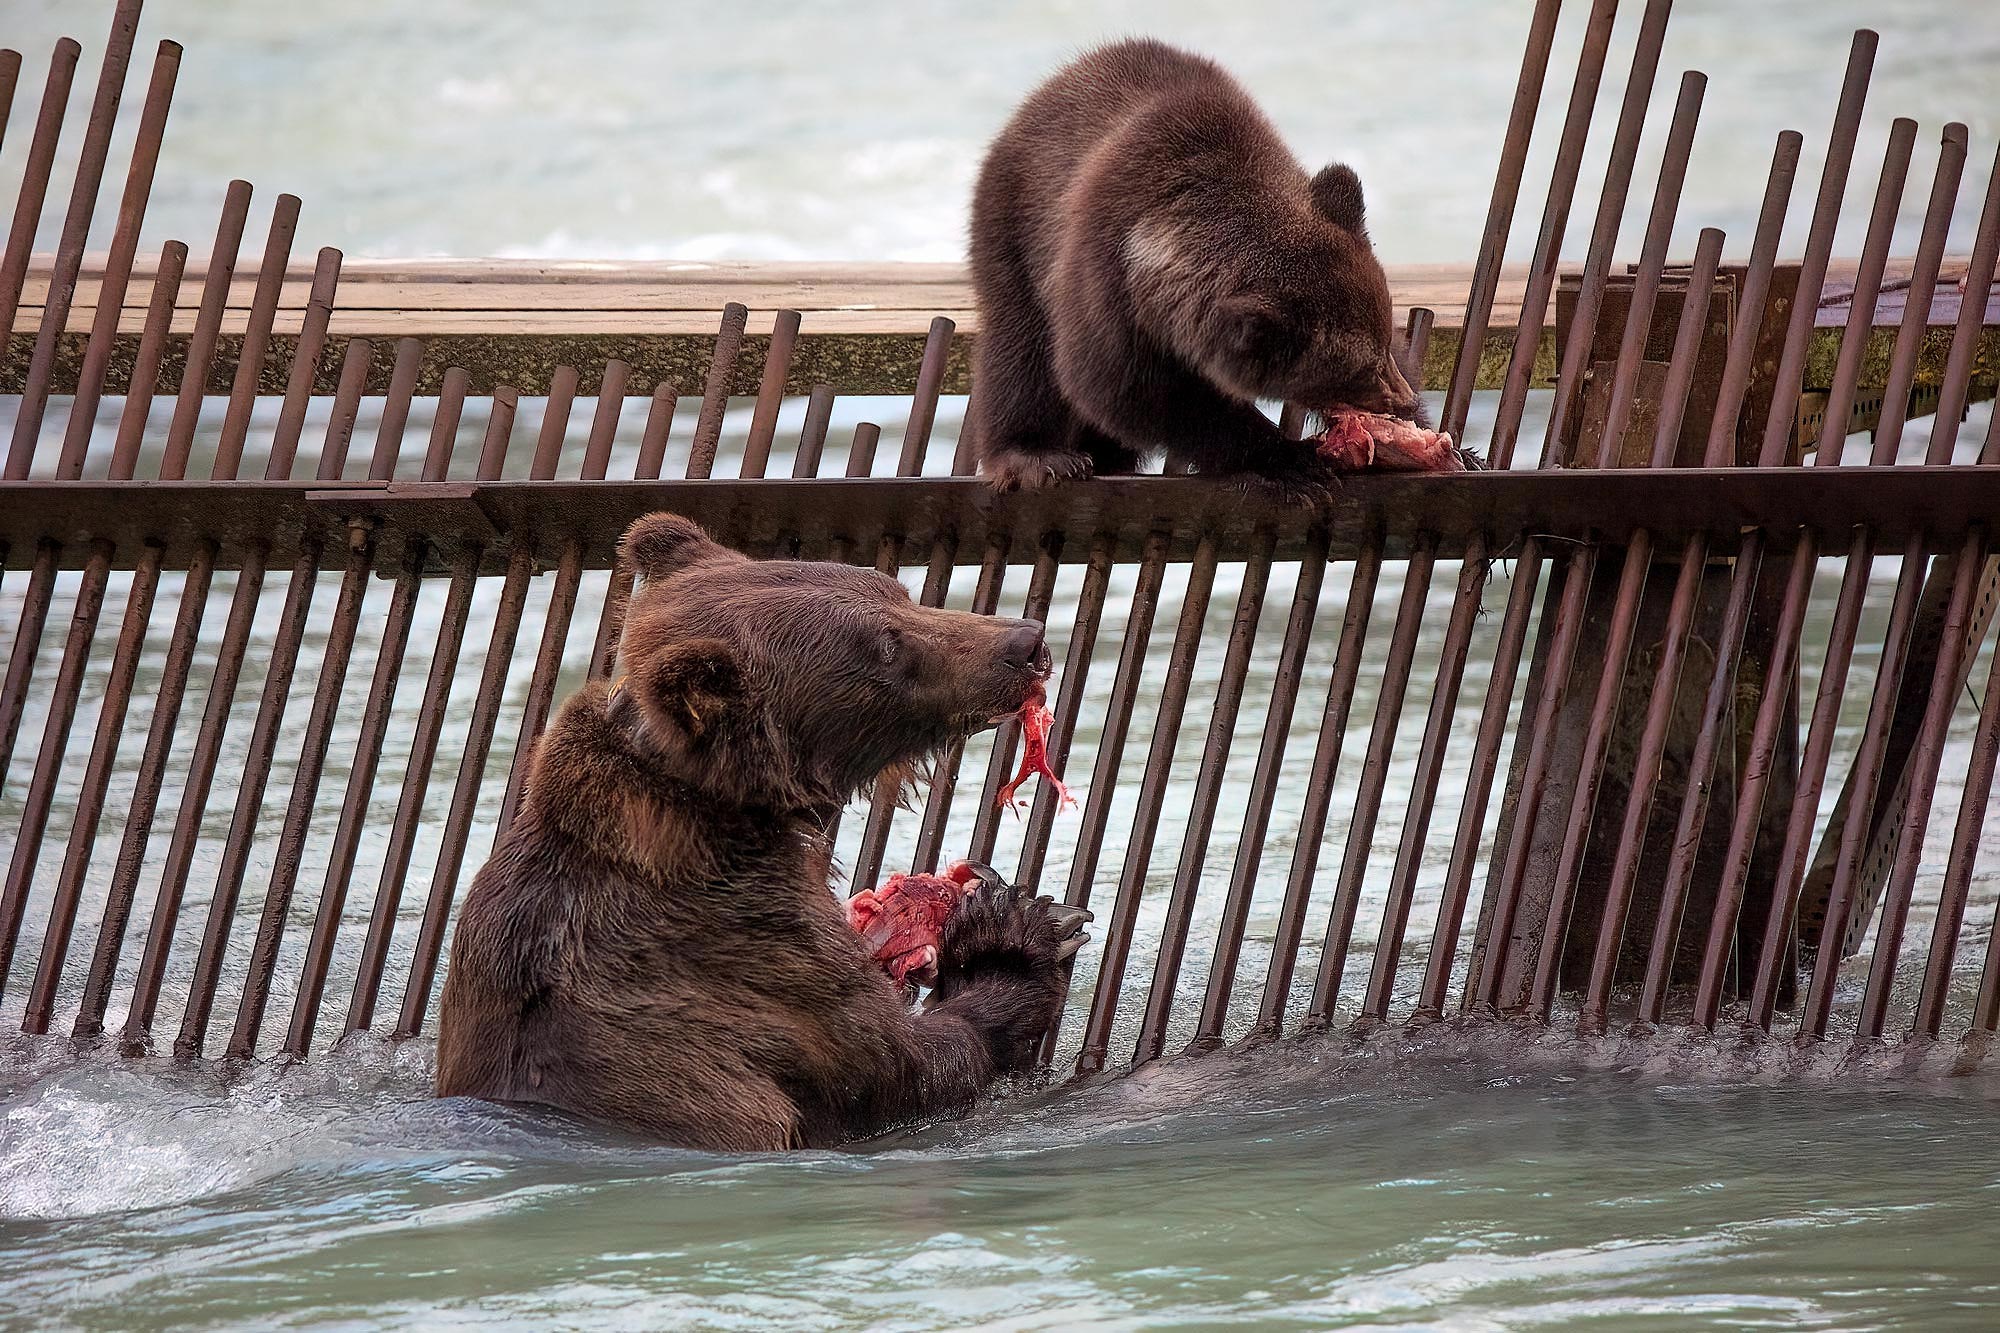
{"type": "Point", "coordinates": [1035, 721]}
{"type": "Point", "coordinates": [1355, 440]}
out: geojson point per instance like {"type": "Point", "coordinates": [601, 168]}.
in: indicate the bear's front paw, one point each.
{"type": "Point", "coordinates": [1032, 469]}
{"type": "Point", "coordinates": [1310, 484]}
{"type": "Point", "coordinates": [998, 930]}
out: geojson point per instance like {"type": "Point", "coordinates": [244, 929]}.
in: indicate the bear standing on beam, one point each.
{"type": "Point", "coordinates": [1150, 261]}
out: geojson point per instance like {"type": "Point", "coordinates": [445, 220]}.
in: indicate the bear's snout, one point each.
{"type": "Point", "coordinates": [1024, 647]}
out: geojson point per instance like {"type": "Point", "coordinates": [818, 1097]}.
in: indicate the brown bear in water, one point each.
{"type": "Point", "coordinates": [655, 943]}
{"type": "Point", "coordinates": [1150, 260]}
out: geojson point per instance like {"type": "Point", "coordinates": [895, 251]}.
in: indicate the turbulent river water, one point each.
{"type": "Point", "coordinates": [1539, 1183]}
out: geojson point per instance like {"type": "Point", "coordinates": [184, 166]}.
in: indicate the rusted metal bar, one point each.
{"type": "Point", "coordinates": [1390, 689]}
{"type": "Point", "coordinates": [249, 804]}
{"type": "Point", "coordinates": [715, 392]}
{"type": "Point", "coordinates": [1124, 914]}
{"type": "Point", "coordinates": [1319, 793]}
{"type": "Point", "coordinates": [1041, 591]}
{"type": "Point", "coordinates": [374, 726]}
{"type": "Point", "coordinates": [944, 776]}
{"type": "Point", "coordinates": [1590, 771]}
{"type": "Point", "coordinates": [563, 593]}
{"type": "Point", "coordinates": [256, 770]}
{"type": "Point", "coordinates": [207, 325]}
{"type": "Point", "coordinates": [1636, 565]}
{"type": "Point", "coordinates": [40, 796]}
{"type": "Point", "coordinates": [1720, 451]}
{"type": "Point", "coordinates": [1975, 293]}
{"type": "Point", "coordinates": [1493, 945]}
{"type": "Point", "coordinates": [35, 599]}
{"type": "Point", "coordinates": [1978, 784]}
{"type": "Point", "coordinates": [1207, 791]}
{"type": "Point", "coordinates": [1842, 894]}
{"type": "Point", "coordinates": [659, 425]}
{"type": "Point", "coordinates": [75, 233]}
{"type": "Point", "coordinates": [1499, 216]}
{"type": "Point", "coordinates": [1492, 990]}
{"type": "Point", "coordinates": [1264, 779]}
{"type": "Point", "coordinates": [89, 808]}
{"type": "Point", "coordinates": [395, 418]}
{"type": "Point", "coordinates": [884, 802]}
{"type": "Point", "coordinates": [146, 363]}
{"type": "Point", "coordinates": [812, 437]}
{"type": "Point", "coordinates": [1739, 362]}
{"type": "Point", "coordinates": [117, 272]}
{"type": "Point", "coordinates": [1965, 838]}
{"type": "Point", "coordinates": [354, 809]}
{"type": "Point", "coordinates": [1790, 374]}
{"type": "Point", "coordinates": [1805, 801]}
{"type": "Point", "coordinates": [201, 764]}
{"type": "Point", "coordinates": [1069, 702]}
{"type": "Point", "coordinates": [860, 450]}
{"type": "Point", "coordinates": [1688, 336]}
{"type": "Point", "coordinates": [1479, 783]}
{"type": "Point", "coordinates": [305, 365]}
{"type": "Point", "coordinates": [923, 401]}
{"type": "Point", "coordinates": [291, 847]}
{"type": "Point", "coordinates": [1639, 801]}
{"type": "Point", "coordinates": [1902, 614]}
{"type": "Point", "coordinates": [139, 598]}
{"type": "Point", "coordinates": [1764, 736]}
{"type": "Point", "coordinates": [610, 624]}
{"type": "Point", "coordinates": [1110, 739]}
{"type": "Point", "coordinates": [328, 685]}
{"type": "Point", "coordinates": [1673, 643]}
{"type": "Point", "coordinates": [430, 725]}
{"type": "Point", "coordinates": [1423, 787]}
{"type": "Point", "coordinates": [181, 648]}
{"type": "Point", "coordinates": [937, 578]}
{"type": "Point", "coordinates": [1652, 263]}
{"type": "Point", "coordinates": [10, 76]}
{"type": "Point", "coordinates": [257, 339]}
{"type": "Point", "coordinates": [1417, 328]}
{"type": "Point", "coordinates": [486, 709]}
{"type": "Point", "coordinates": [1604, 233]}
{"type": "Point", "coordinates": [346, 406]}
{"type": "Point", "coordinates": [35, 172]}
{"type": "Point", "coordinates": [1548, 245]}
{"type": "Point", "coordinates": [770, 393]}
{"type": "Point", "coordinates": [1929, 752]}
{"type": "Point", "coordinates": [1867, 287]}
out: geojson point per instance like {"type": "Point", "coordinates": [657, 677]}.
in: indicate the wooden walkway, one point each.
{"type": "Point", "coordinates": [512, 321]}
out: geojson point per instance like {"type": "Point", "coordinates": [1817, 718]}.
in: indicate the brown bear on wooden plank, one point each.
{"type": "Point", "coordinates": [655, 942]}
{"type": "Point", "coordinates": [1150, 260]}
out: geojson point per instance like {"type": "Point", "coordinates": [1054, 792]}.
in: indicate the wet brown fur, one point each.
{"type": "Point", "coordinates": [1150, 260]}
{"type": "Point", "coordinates": [654, 942]}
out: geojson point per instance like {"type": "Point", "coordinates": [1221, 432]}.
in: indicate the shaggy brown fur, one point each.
{"type": "Point", "coordinates": [655, 942]}
{"type": "Point", "coordinates": [1150, 260]}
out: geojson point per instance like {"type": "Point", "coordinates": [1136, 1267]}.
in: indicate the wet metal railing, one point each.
{"type": "Point", "coordinates": [271, 687]}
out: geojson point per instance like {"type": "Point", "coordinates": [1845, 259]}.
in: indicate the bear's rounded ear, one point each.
{"type": "Point", "coordinates": [661, 544]}
{"type": "Point", "coordinates": [1258, 333]}
{"type": "Point", "coordinates": [1336, 193]}
{"type": "Point", "coordinates": [689, 686]}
